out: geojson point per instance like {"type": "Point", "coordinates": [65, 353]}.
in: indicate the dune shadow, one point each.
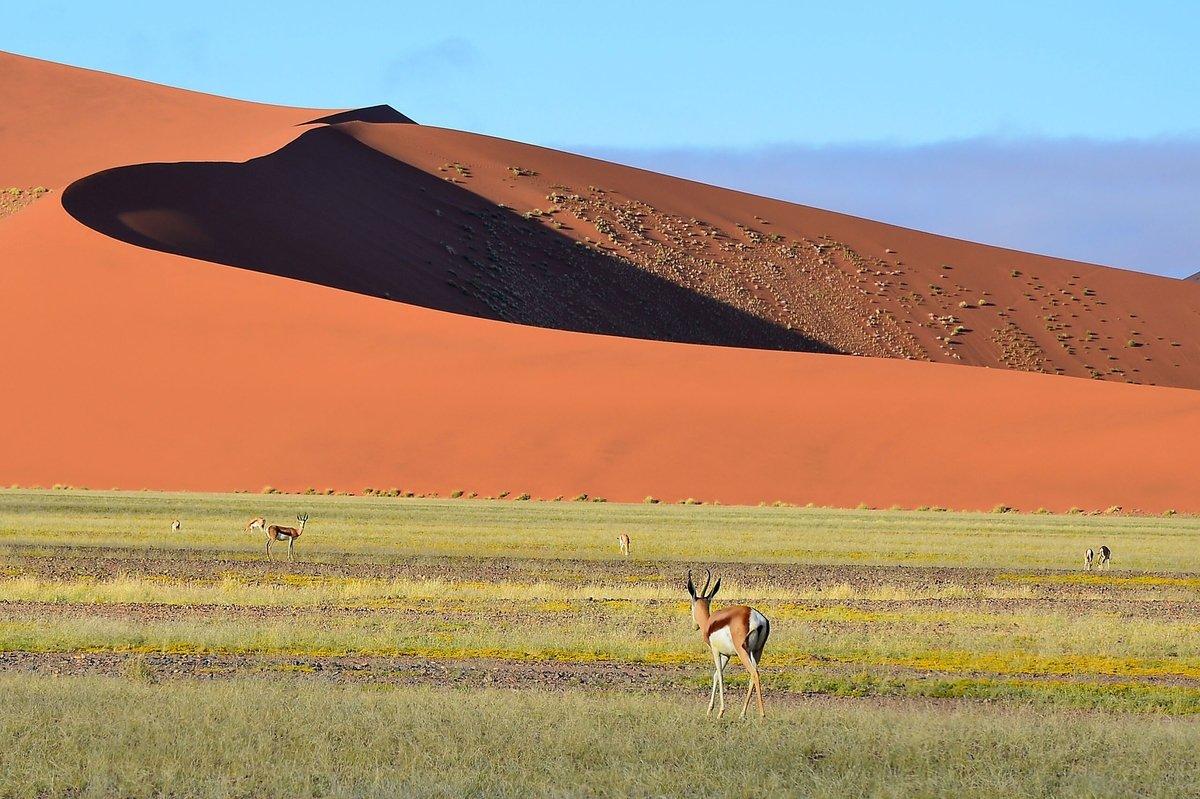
{"type": "Point", "coordinates": [328, 209]}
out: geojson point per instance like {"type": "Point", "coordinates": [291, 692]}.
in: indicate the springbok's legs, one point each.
{"type": "Point", "coordinates": [752, 668]}
{"type": "Point", "coordinates": [762, 713]}
{"type": "Point", "coordinates": [712, 697]}
{"type": "Point", "coordinates": [268, 547]}
{"type": "Point", "coordinates": [718, 687]}
{"type": "Point", "coordinates": [291, 549]}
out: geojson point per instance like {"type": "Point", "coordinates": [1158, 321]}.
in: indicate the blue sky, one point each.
{"type": "Point", "coordinates": [721, 82]}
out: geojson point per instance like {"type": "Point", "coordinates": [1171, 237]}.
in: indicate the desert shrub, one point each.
{"type": "Point", "coordinates": [1001, 508]}
{"type": "Point", "coordinates": [456, 493]}
{"type": "Point", "coordinates": [502, 495]}
{"type": "Point", "coordinates": [580, 498]}
{"type": "Point", "coordinates": [523, 497]}
{"type": "Point", "coordinates": [649, 500]}
{"type": "Point", "coordinates": [270, 490]}
{"type": "Point", "coordinates": [1075, 511]}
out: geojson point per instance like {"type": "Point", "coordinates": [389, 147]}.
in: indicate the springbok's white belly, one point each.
{"type": "Point", "coordinates": [722, 641]}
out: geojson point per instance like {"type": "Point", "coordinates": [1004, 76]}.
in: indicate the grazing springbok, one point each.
{"type": "Point", "coordinates": [736, 630]}
{"type": "Point", "coordinates": [289, 534]}
{"type": "Point", "coordinates": [1087, 559]}
{"type": "Point", "coordinates": [175, 525]}
{"type": "Point", "coordinates": [1105, 558]}
{"type": "Point", "coordinates": [623, 543]}
{"type": "Point", "coordinates": [257, 524]}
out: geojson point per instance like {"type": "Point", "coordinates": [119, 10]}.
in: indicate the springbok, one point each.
{"type": "Point", "coordinates": [736, 630]}
{"type": "Point", "coordinates": [623, 543]}
{"type": "Point", "coordinates": [257, 524]}
{"type": "Point", "coordinates": [175, 525]}
{"type": "Point", "coordinates": [1105, 558]}
{"type": "Point", "coordinates": [289, 534]}
{"type": "Point", "coordinates": [1087, 559]}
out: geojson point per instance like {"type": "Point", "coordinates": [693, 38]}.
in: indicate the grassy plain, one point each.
{"type": "Point", "coordinates": [927, 653]}
{"type": "Point", "coordinates": [394, 528]}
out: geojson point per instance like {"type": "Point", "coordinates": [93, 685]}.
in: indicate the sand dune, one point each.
{"type": "Point", "coordinates": [492, 228]}
{"type": "Point", "coordinates": [227, 325]}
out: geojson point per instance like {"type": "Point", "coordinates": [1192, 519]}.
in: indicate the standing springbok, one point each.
{"type": "Point", "coordinates": [736, 630]}
{"type": "Point", "coordinates": [1087, 559]}
{"type": "Point", "coordinates": [1105, 557]}
{"type": "Point", "coordinates": [175, 525]}
{"type": "Point", "coordinates": [289, 534]}
{"type": "Point", "coordinates": [623, 543]}
{"type": "Point", "coordinates": [257, 524]}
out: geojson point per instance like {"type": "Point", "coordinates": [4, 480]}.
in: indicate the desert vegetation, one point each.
{"type": "Point", "coordinates": [899, 638]}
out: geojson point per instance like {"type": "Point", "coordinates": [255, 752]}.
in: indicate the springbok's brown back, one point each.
{"type": "Point", "coordinates": [277, 532]}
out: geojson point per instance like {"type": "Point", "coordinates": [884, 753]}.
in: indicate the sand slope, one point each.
{"type": "Point", "coordinates": [138, 360]}
{"type": "Point", "coordinates": [492, 228]}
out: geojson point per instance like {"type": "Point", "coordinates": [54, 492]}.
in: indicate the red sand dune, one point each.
{"type": "Point", "coordinates": [156, 337]}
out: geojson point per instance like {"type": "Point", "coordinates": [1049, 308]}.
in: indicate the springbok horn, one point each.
{"type": "Point", "coordinates": [691, 585]}
{"type": "Point", "coordinates": [707, 580]}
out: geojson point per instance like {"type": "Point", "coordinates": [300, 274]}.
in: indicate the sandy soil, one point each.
{"type": "Point", "coordinates": [150, 365]}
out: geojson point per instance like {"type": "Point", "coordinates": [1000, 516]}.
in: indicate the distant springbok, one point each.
{"type": "Point", "coordinates": [1087, 559]}
{"type": "Point", "coordinates": [623, 543]}
{"type": "Point", "coordinates": [289, 534]}
{"type": "Point", "coordinates": [257, 524]}
{"type": "Point", "coordinates": [735, 630]}
{"type": "Point", "coordinates": [175, 525]}
{"type": "Point", "coordinates": [1105, 558]}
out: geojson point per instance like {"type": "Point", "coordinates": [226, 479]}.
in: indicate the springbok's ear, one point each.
{"type": "Point", "coordinates": [691, 585]}
{"type": "Point", "coordinates": [716, 588]}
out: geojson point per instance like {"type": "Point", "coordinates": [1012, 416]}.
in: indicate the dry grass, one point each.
{"type": "Point", "coordinates": [254, 739]}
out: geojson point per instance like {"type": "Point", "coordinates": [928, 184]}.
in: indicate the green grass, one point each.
{"type": "Point", "coordinates": [383, 528]}
{"type": "Point", "coordinates": [936, 678]}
